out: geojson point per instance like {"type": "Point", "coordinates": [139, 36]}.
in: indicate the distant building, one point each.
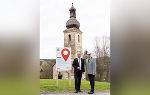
{"type": "Point", "coordinates": [46, 68]}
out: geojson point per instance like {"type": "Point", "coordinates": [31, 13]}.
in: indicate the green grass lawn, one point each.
{"type": "Point", "coordinates": [49, 85]}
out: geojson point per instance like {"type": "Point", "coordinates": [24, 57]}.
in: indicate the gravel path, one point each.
{"type": "Point", "coordinates": [83, 93]}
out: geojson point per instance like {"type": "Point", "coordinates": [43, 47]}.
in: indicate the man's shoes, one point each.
{"type": "Point", "coordinates": [91, 92]}
{"type": "Point", "coordinates": [76, 92]}
{"type": "Point", "coordinates": [80, 91]}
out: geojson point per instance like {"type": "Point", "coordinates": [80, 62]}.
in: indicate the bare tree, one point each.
{"type": "Point", "coordinates": [102, 54]}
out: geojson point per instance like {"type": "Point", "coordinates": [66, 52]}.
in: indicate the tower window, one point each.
{"type": "Point", "coordinates": [78, 38]}
{"type": "Point", "coordinates": [69, 37]}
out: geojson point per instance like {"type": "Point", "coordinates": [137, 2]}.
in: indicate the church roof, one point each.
{"type": "Point", "coordinates": [72, 22]}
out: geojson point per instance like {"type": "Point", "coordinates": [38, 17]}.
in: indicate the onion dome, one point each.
{"type": "Point", "coordinates": [72, 22]}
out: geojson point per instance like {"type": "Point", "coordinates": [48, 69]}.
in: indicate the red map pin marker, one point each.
{"type": "Point", "coordinates": [65, 53]}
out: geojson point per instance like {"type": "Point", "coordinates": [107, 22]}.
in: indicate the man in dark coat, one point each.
{"type": "Point", "coordinates": [79, 69]}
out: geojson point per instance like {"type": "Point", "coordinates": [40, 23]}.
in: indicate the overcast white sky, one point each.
{"type": "Point", "coordinates": [93, 16]}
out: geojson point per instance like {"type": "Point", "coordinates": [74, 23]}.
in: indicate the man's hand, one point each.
{"type": "Point", "coordinates": [93, 74]}
{"type": "Point", "coordinates": [82, 72]}
{"type": "Point", "coordinates": [78, 68]}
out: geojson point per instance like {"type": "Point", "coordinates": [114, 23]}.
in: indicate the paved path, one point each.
{"type": "Point", "coordinates": [84, 93]}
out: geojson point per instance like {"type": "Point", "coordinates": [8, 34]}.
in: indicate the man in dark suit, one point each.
{"type": "Point", "coordinates": [79, 69]}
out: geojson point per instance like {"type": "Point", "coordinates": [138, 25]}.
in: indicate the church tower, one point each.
{"type": "Point", "coordinates": [73, 35]}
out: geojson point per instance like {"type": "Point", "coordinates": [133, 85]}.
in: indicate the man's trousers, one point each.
{"type": "Point", "coordinates": [78, 76]}
{"type": "Point", "coordinates": [92, 81]}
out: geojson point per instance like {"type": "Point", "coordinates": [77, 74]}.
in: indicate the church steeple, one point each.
{"type": "Point", "coordinates": [72, 22]}
{"type": "Point", "coordinates": [73, 35]}
{"type": "Point", "coordinates": [72, 11]}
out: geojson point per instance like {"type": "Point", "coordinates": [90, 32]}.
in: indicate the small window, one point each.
{"type": "Point", "coordinates": [78, 38]}
{"type": "Point", "coordinates": [69, 37]}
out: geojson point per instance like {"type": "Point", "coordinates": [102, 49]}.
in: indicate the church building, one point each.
{"type": "Point", "coordinates": [73, 35]}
